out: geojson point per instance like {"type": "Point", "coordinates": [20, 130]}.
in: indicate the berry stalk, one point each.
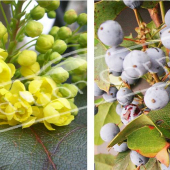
{"type": "Point", "coordinates": [162, 8]}
{"type": "Point", "coordinates": [156, 78]}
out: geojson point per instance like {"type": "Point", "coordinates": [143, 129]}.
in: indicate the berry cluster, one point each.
{"type": "Point", "coordinates": [130, 66]}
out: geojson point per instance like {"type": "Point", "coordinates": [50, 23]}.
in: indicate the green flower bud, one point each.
{"type": "Point", "coordinates": [44, 43]}
{"type": "Point", "coordinates": [27, 58]}
{"type": "Point", "coordinates": [7, 2]}
{"type": "Point", "coordinates": [64, 33]}
{"type": "Point", "coordinates": [59, 46]}
{"type": "Point", "coordinates": [27, 84]}
{"type": "Point", "coordinates": [75, 65]}
{"type": "Point", "coordinates": [43, 4]}
{"type": "Point", "coordinates": [68, 90]}
{"type": "Point", "coordinates": [40, 59]}
{"type": "Point", "coordinates": [58, 74]}
{"type": "Point", "coordinates": [74, 109]}
{"type": "Point", "coordinates": [5, 40]}
{"type": "Point", "coordinates": [76, 78]}
{"type": "Point", "coordinates": [53, 5]}
{"type": "Point", "coordinates": [83, 40]}
{"type": "Point", "coordinates": [71, 100]}
{"type": "Point", "coordinates": [70, 16]}
{"type": "Point", "coordinates": [54, 31]}
{"type": "Point", "coordinates": [21, 37]}
{"type": "Point", "coordinates": [55, 57]}
{"type": "Point", "coordinates": [80, 80]}
{"type": "Point", "coordinates": [51, 14]}
{"type": "Point", "coordinates": [3, 30]}
{"type": "Point", "coordinates": [17, 73]}
{"type": "Point", "coordinates": [33, 29]}
{"type": "Point", "coordinates": [37, 13]}
{"type": "Point", "coordinates": [82, 19]}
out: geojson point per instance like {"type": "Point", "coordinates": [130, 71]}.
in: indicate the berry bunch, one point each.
{"type": "Point", "coordinates": [34, 85]}
{"type": "Point", "coordinates": [130, 66]}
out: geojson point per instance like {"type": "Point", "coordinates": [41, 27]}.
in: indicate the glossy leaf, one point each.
{"type": "Point", "coordinates": [161, 117]}
{"type": "Point", "coordinates": [123, 162]}
{"type": "Point", "coordinates": [149, 4]}
{"type": "Point", "coordinates": [152, 164]}
{"type": "Point", "coordinates": [147, 141]}
{"type": "Point", "coordinates": [153, 30]}
{"type": "Point", "coordinates": [131, 127]}
{"type": "Point", "coordinates": [101, 72]}
{"type": "Point", "coordinates": [104, 161]}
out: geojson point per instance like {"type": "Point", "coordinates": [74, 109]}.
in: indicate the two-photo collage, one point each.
{"type": "Point", "coordinates": [84, 85]}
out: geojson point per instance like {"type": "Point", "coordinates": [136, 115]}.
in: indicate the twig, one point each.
{"type": "Point", "coordinates": [162, 8]}
{"type": "Point", "coordinates": [128, 39]}
{"type": "Point", "coordinates": [156, 78]}
{"type": "Point", "coordinates": [154, 14]}
{"type": "Point", "coordinates": [137, 16]}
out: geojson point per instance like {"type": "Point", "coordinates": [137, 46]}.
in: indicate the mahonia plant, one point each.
{"type": "Point", "coordinates": [33, 84]}
{"type": "Point", "coordinates": [144, 114]}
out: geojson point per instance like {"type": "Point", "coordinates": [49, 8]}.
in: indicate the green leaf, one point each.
{"type": "Point", "coordinates": [101, 72]}
{"type": "Point", "coordinates": [106, 10]}
{"type": "Point", "coordinates": [106, 114]}
{"type": "Point", "coordinates": [153, 30]}
{"type": "Point", "coordinates": [39, 148]}
{"type": "Point", "coordinates": [152, 164]}
{"type": "Point", "coordinates": [147, 141]}
{"type": "Point", "coordinates": [123, 162]}
{"type": "Point", "coordinates": [99, 101]}
{"type": "Point", "coordinates": [161, 117]}
{"type": "Point", "coordinates": [131, 127]}
{"type": "Point", "coordinates": [104, 161]}
{"type": "Point", "coordinates": [149, 4]}
{"type": "Point", "coordinates": [81, 103]}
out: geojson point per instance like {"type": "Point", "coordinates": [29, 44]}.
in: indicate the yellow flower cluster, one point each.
{"type": "Point", "coordinates": [42, 101]}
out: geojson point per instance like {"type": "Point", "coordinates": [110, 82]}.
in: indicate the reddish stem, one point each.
{"type": "Point", "coordinates": [154, 13]}
{"type": "Point", "coordinates": [128, 39]}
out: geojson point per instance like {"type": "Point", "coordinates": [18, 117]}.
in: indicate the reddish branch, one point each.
{"type": "Point", "coordinates": [128, 39]}
{"type": "Point", "coordinates": [45, 149]}
{"type": "Point", "coordinates": [154, 13]}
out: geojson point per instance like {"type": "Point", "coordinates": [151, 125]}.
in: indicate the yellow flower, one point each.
{"type": "Point", "coordinates": [39, 114]}
{"type": "Point", "coordinates": [30, 121]}
{"type": "Point", "coordinates": [58, 112]}
{"type": "Point", "coordinates": [18, 93]}
{"type": "Point", "coordinates": [3, 54]}
{"type": "Point", "coordinates": [17, 102]}
{"type": "Point", "coordinates": [27, 58]}
{"type": "Point", "coordinates": [3, 30]}
{"type": "Point", "coordinates": [30, 71]}
{"type": "Point", "coordinates": [12, 68]}
{"type": "Point", "coordinates": [3, 104]}
{"type": "Point", "coordinates": [20, 111]}
{"type": "Point", "coordinates": [42, 89]}
{"type": "Point", "coordinates": [5, 73]}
